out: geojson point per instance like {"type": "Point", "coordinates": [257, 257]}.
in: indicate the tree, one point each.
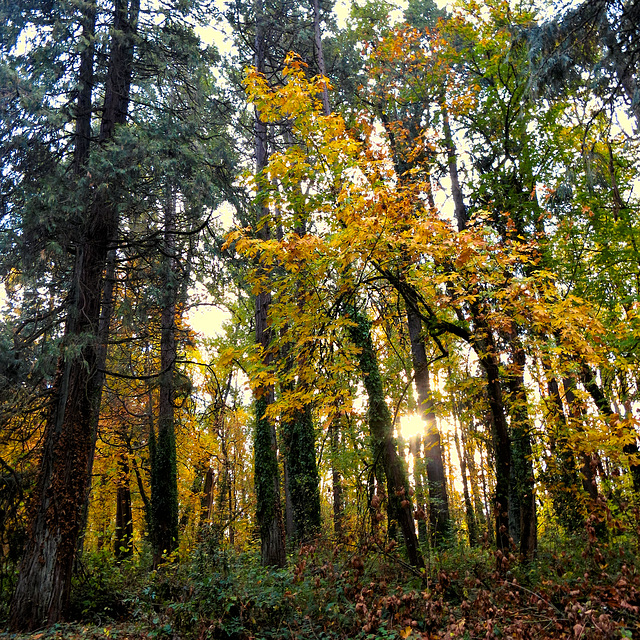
{"type": "Point", "coordinates": [162, 446]}
{"type": "Point", "coordinates": [42, 591]}
{"type": "Point", "coordinates": [93, 220]}
{"type": "Point", "coordinates": [267, 476]}
{"type": "Point", "coordinates": [384, 447]}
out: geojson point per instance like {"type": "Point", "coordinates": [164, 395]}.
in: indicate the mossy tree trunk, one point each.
{"type": "Point", "coordinates": [303, 478]}
{"type": "Point", "coordinates": [384, 445]}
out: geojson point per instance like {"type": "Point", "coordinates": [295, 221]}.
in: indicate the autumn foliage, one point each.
{"type": "Point", "coordinates": [418, 415]}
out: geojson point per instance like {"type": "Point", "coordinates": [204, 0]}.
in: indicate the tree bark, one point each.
{"type": "Point", "coordinates": [522, 452]}
{"type": "Point", "coordinates": [206, 500]}
{"type": "Point", "coordinates": [266, 474]}
{"type": "Point", "coordinates": [44, 582]}
{"type": "Point", "coordinates": [164, 480]}
{"type": "Point", "coordinates": [384, 445]}
{"type": "Point", "coordinates": [438, 499]}
{"type": "Point", "coordinates": [124, 516]}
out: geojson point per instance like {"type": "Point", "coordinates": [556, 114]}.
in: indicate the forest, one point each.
{"type": "Point", "coordinates": [319, 320]}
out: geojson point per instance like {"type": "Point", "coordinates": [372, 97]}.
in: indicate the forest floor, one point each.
{"type": "Point", "coordinates": [574, 589]}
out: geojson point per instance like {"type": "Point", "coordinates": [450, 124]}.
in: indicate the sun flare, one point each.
{"type": "Point", "coordinates": [411, 425]}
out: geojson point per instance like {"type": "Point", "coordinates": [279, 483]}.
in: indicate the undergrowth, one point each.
{"type": "Point", "coordinates": [579, 589]}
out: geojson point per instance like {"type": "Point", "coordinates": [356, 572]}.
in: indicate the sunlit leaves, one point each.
{"type": "Point", "coordinates": [362, 221]}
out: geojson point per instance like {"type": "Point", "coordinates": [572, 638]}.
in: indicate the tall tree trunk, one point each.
{"type": "Point", "coordinates": [522, 452]}
{"type": "Point", "coordinates": [304, 481]}
{"type": "Point", "coordinates": [108, 295]}
{"type": "Point", "coordinates": [266, 474]}
{"type": "Point", "coordinates": [384, 445]}
{"type": "Point", "coordinates": [485, 347]}
{"type": "Point", "coordinates": [336, 479]}
{"type": "Point", "coordinates": [472, 527]}
{"type": "Point", "coordinates": [124, 516]}
{"type": "Point", "coordinates": [84, 103]}
{"type": "Point", "coordinates": [164, 480]}
{"type": "Point", "coordinates": [43, 587]}
{"type": "Point", "coordinates": [438, 498]}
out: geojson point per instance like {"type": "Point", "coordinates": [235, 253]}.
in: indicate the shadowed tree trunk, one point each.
{"type": "Point", "coordinates": [438, 499]}
{"type": "Point", "coordinates": [266, 474]}
{"type": "Point", "coordinates": [164, 480]}
{"type": "Point", "coordinates": [522, 452]}
{"type": "Point", "coordinates": [123, 545]}
{"type": "Point", "coordinates": [484, 345]}
{"type": "Point", "coordinates": [43, 587]}
{"type": "Point", "coordinates": [384, 446]}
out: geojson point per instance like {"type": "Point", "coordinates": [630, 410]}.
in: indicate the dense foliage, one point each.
{"type": "Point", "coordinates": [413, 232]}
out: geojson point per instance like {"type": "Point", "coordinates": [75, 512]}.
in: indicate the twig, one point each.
{"type": "Point", "coordinates": [533, 593]}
